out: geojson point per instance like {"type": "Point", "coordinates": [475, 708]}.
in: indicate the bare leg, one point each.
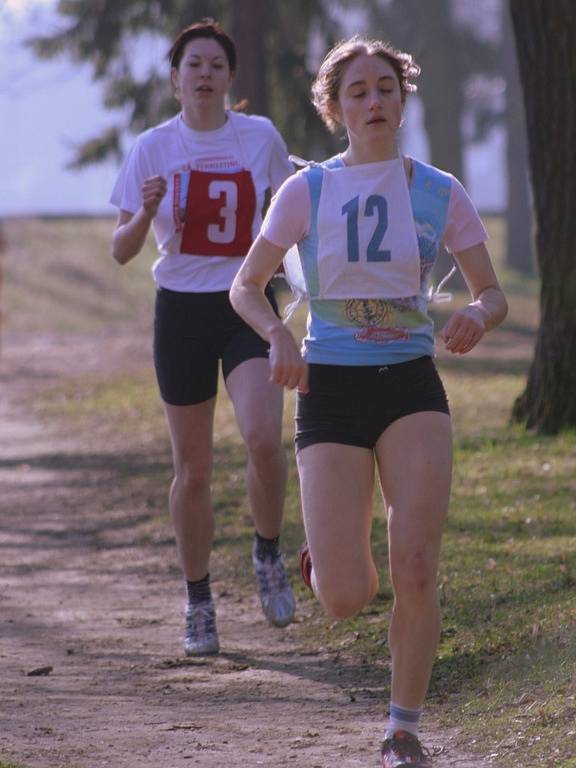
{"type": "Point", "coordinates": [336, 484]}
{"type": "Point", "coordinates": [258, 408]}
{"type": "Point", "coordinates": [415, 459]}
{"type": "Point", "coordinates": [190, 502]}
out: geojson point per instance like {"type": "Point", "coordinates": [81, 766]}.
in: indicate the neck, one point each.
{"type": "Point", "coordinates": [204, 119]}
{"type": "Point", "coordinates": [360, 153]}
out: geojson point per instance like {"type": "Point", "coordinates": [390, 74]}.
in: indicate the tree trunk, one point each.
{"type": "Point", "coordinates": [546, 43]}
{"type": "Point", "coordinates": [519, 219]}
{"type": "Point", "coordinates": [250, 32]}
{"type": "Point", "coordinates": [442, 91]}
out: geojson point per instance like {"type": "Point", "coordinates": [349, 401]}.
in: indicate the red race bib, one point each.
{"type": "Point", "coordinates": [219, 213]}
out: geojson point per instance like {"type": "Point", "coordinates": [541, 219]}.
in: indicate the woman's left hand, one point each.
{"type": "Point", "coordinates": [464, 330]}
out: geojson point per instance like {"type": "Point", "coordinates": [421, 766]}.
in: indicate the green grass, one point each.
{"type": "Point", "coordinates": [506, 671]}
{"type": "Point", "coordinates": [11, 765]}
{"type": "Point", "coordinates": [60, 276]}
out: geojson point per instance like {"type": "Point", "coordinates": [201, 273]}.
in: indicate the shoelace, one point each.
{"type": "Point", "coordinates": [200, 620]}
{"type": "Point", "coordinates": [405, 746]}
{"type": "Point", "coordinates": [271, 576]}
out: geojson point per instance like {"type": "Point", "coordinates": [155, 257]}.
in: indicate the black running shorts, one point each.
{"type": "Point", "coordinates": [353, 405]}
{"type": "Point", "coordinates": [192, 332]}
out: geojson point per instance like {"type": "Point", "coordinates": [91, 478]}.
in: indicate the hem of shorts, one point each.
{"type": "Point", "coordinates": [298, 446]}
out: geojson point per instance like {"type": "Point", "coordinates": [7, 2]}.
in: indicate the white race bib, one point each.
{"type": "Point", "coordinates": [367, 245]}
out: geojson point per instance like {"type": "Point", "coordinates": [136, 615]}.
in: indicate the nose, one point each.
{"type": "Point", "coordinates": [375, 101]}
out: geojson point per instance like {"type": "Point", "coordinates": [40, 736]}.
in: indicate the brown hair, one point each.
{"type": "Point", "coordinates": [205, 28]}
{"type": "Point", "coordinates": [327, 83]}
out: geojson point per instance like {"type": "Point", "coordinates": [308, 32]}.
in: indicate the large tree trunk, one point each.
{"type": "Point", "coordinates": [250, 28]}
{"type": "Point", "coordinates": [546, 42]}
{"type": "Point", "coordinates": [519, 220]}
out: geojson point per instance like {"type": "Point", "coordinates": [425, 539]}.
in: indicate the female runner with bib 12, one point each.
{"type": "Point", "coordinates": [368, 224]}
{"type": "Point", "coordinates": [200, 180]}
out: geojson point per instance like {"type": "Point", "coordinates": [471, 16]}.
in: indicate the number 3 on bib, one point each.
{"type": "Point", "coordinates": [220, 210]}
{"type": "Point", "coordinates": [375, 205]}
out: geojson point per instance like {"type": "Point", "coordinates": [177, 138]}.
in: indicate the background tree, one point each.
{"type": "Point", "coordinates": [519, 219]}
{"type": "Point", "coordinates": [546, 42]}
{"type": "Point", "coordinates": [273, 39]}
{"type": "Point", "coordinates": [444, 39]}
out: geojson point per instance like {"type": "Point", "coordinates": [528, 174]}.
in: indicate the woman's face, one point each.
{"type": "Point", "coordinates": [369, 102]}
{"type": "Point", "coordinates": [203, 76]}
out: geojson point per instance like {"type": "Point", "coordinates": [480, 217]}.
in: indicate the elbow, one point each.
{"type": "Point", "coordinates": [235, 295]}
{"type": "Point", "coordinates": [504, 307]}
{"type": "Point", "coordinates": [118, 257]}
{"type": "Point", "coordinates": [119, 253]}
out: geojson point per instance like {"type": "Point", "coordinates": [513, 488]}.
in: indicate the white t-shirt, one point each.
{"type": "Point", "coordinates": [229, 171]}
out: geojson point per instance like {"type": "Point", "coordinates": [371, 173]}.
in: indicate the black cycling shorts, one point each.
{"type": "Point", "coordinates": [192, 332]}
{"type": "Point", "coordinates": [354, 405]}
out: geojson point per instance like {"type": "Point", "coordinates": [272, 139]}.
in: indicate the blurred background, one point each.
{"type": "Point", "coordinates": [79, 79]}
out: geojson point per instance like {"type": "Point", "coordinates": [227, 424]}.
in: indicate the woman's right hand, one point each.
{"type": "Point", "coordinates": [286, 364]}
{"type": "Point", "coordinates": [153, 190]}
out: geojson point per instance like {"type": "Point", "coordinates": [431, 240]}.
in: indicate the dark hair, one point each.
{"type": "Point", "coordinates": [327, 84]}
{"type": "Point", "coordinates": [205, 28]}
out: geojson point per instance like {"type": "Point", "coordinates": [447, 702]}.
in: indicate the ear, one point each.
{"type": "Point", "coordinates": [175, 80]}
{"type": "Point", "coordinates": [334, 111]}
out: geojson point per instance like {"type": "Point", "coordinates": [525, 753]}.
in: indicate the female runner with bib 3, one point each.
{"type": "Point", "coordinates": [201, 179]}
{"type": "Point", "coordinates": [368, 225]}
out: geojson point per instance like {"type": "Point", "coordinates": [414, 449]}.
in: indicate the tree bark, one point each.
{"type": "Point", "coordinates": [546, 42]}
{"type": "Point", "coordinates": [442, 91]}
{"type": "Point", "coordinates": [519, 218]}
{"type": "Point", "coordinates": [250, 27]}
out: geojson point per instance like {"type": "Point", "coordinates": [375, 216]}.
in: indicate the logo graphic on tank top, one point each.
{"type": "Point", "coordinates": [375, 315]}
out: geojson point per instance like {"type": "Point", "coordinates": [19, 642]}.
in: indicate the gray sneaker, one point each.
{"type": "Point", "coordinates": [201, 634]}
{"type": "Point", "coordinates": [276, 597]}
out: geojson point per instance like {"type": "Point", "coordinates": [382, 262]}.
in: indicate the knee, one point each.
{"type": "Point", "coordinates": [346, 600]}
{"type": "Point", "coordinates": [414, 573]}
{"type": "Point", "coordinates": [263, 444]}
{"type": "Point", "coordinates": [193, 477]}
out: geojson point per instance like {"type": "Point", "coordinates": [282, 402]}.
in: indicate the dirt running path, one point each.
{"type": "Point", "coordinates": [90, 596]}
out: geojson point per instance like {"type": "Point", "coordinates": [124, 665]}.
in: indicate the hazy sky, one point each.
{"type": "Point", "coordinates": [47, 107]}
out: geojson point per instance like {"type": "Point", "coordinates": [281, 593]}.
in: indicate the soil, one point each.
{"type": "Point", "coordinates": [91, 604]}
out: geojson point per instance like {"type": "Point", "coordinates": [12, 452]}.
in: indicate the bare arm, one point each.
{"type": "Point", "coordinates": [248, 299]}
{"type": "Point", "coordinates": [131, 229]}
{"type": "Point", "coordinates": [488, 308]}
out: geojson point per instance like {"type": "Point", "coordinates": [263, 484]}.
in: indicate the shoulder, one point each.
{"type": "Point", "coordinates": [431, 172]}
{"type": "Point", "coordinates": [294, 186]}
{"type": "Point", "coordinates": [253, 124]}
{"type": "Point", "coordinates": [155, 136]}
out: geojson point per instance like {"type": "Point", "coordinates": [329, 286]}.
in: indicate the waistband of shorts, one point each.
{"type": "Point", "coordinates": [361, 370]}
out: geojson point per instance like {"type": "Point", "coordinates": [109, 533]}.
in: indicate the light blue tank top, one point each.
{"type": "Point", "coordinates": [376, 331]}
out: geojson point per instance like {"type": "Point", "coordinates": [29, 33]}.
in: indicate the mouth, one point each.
{"type": "Point", "coordinates": [204, 89]}
{"type": "Point", "coordinates": [376, 120]}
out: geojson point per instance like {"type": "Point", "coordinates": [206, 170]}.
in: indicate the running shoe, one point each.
{"type": "Point", "coordinates": [306, 565]}
{"type": "Point", "coordinates": [276, 597]}
{"type": "Point", "coordinates": [201, 634]}
{"type": "Point", "coordinates": [403, 750]}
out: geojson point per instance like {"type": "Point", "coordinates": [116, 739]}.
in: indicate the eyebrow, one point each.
{"type": "Point", "coordinates": [199, 56]}
{"type": "Point", "coordinates": [363, 82]}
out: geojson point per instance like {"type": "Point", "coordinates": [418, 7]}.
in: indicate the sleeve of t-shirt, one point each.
{"type": "Point", "coordinates": [280, 167]}
{"type": "Point", "coordinates": [127, 191]}
{"type": "Point", "coordinates": [464, 228]}
{"type": "Point", "coordinates": [287, 220]}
